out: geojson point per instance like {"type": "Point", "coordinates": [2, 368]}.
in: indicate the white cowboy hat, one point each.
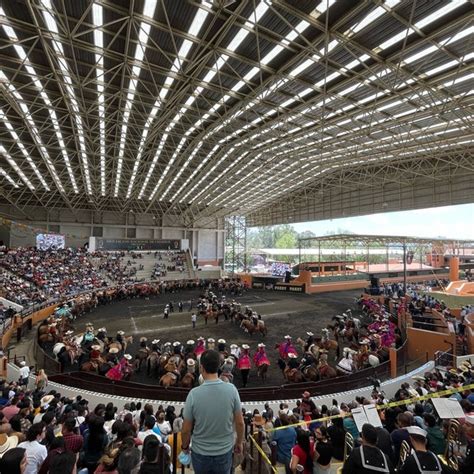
{"type": "Point", "coordinates": [229, 360]}
{"type": "Point", "coordinates": [292, 355]}
{"type": "Point", "coordinates": [155, 341]}
{"type": "Point", "coordinates": [121, 333]}
{"type": "Point", "coordinates": [190, 342]}
{"type": "Point", "coordinates": [309, 333]}
{"type": "Point", "coordinates": [287, 336]}
{"type": "Point", "coordinates": [113, 350]}
{"type": "Point", "coordinates": [200, 338]}
{"type": "Point", "coordinates": [234, 346]}
{"type": "Point", "coordinates": [101, 330]}
{"type": "Point", "coordinates": [364, 341]}
{"type": "Point", "coordinates": [6, 443]}
{"type": "Point", "coordinates": [22, 363]}
{"type": "Point", "coordinates": [128, 356]}
{"type": "Point", "coordinates": [246, 346]}
{"type": "Point", "coordinates": [68, 333]}
{"type": "Point", "coordinates": [191, 362]}
{"type": "Point", "coordinates": [211, 340]}
{"type": "Point", "coordinates": [46, 400]}
{"type": "Point", "coordinates": [96, 347]}
{"type": "Point", "coordinates": [260, 345]}
{"type": "Point", "coordinates": [221, 341]}
{"type": "Point", "coordinates": [176, 344]}
{"type": "Point", "coordinates": [143, 339]}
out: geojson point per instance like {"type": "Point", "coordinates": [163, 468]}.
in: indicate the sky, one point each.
{"type": "Point", "coordinates": [448, 221]}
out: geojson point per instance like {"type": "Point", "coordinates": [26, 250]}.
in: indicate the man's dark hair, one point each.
{"type": "Point", "coordinates": [128, 460]}
{"type": "Point", "coordinates": [210, 361]}
{"type": "Point", "coordinates": [70, 424]}
{"type": "Point", "coordinates": [369, 433]}
{"type": "Point", "coordinates": [34, 431]}
{"type": "Point", "coordinates": [149, 422]}
{"type": "Point", "coordinates": [430, 420]}
{"type": "Point", "coordinates": [63, 463]}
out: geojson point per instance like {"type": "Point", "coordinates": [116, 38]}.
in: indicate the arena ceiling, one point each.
{"type": "Point", "coordinates": [278, 110]}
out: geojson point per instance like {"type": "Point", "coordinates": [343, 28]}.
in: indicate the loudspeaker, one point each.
{"type": "Point", "coordinates": [287, 277]}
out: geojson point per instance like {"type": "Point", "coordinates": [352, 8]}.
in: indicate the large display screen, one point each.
{"type": "Point", "coordinates": [137, 244]}
{"type": "Point", "coordinates": [280, 268]}
{"type": "Point", "coordinates": [50, 241]}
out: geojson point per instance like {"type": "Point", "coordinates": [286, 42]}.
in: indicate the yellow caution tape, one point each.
{"type": "Point", "coordinates": [407, 401]}
{"type": "Point", "coordinates": [262, 452]}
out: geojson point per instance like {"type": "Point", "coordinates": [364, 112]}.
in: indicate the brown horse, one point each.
{"type": "Point", "coordinates": [311, 373]}
{"type": "Point", "coordinates": [250, 327]}
{"type": "Point", "coordinates": [153, 363]}
{"type": "Point", "coordinates": [188, 380]}
{"type": "Point", "coordinates": [141, 357]}
{"type": "Point", "coordinates": [326, 372]}
{"type": "Point", "coordinates": [262, 370]}
{"type": "Point", "coordinates": [168, 380]}
{"type": "Point", "coordinates": [293, 375]}
{"type": "Point", "coordinates": [210, 314]}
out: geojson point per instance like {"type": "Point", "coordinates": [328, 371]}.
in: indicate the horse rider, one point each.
{"type": "Point", "coordinates": [286, 348]}
{"type": "Point", "coordinates": [200, 347]}
{"type": "Point", "coordinates": [254, 318]}
{"type": "Point", "coordinates": [292, 361]}
{"type": "Point", "coordinates": [221, 346]}
{"type": "Point", "coordinates": [235, 351]}
{"type": "Point", "coordinates": [89, 334]}
{"type": "Point", "coordinates": [119, 337]}
{"type": "Point", "coordinates": [95, 353]}
{"type": "Point", "coordinates": [101, 334]}
{"type": "Point", "coordinates": [309, 340]}
{"type": "Point", "coordinates": [189, 349]}
{"type": "Point", "coordinates": [243, 363]}
{"type": "Point", "coordinates": [260, 356]}
{"type": "Point", "coordinates": [211, 343]}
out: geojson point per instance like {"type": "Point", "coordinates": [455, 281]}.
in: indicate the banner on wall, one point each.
{"type": "Point", "coordinates": [137, 244]}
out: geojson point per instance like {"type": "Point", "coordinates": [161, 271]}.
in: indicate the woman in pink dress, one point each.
{"type": "Point", "coordinates": [244, 363]}
{"type": "Point", "coordinates": [260, 357]}
{"type": "Point", "coordinates": [200, 348]}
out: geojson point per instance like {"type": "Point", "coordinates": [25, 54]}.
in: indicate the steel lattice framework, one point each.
{"type": "Point", "coordinates": [277, 110]}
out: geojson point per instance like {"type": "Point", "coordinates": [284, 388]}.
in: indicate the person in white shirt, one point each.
{"type": "Point", "coordinates": [24, 373]}
{"type": "Point", "coordinates": [35, 452]}
{"type": "Point", "coordinates": [163, 425]}
{"type": "Point", "coordinates": [148, 426]}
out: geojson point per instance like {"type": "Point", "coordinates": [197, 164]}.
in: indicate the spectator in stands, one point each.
{"type": "Point", "coordinates": [129, 461]}
{"type": "Point", "coordinates": [72, 440]}
{"type": "Point", "coordinates": [323, 451]}
{"type": "Point", "coordinates": [63, 463]}
{"type": "Point", "coordinates": [41, 381]}
{"type": "Point", "coordinates": [210, 413]}
{"type": "Point", "coordinates": [57, 447]}
{"type": "Point", "coordinates": [420, 460]}
{"type": "Point", "coordinates": [95, 441]}
{"type": "Point", "coordinates": [434, 435]}
{"type": "Point", "coordinates": [154, 457]}
{"type": "Point", "coordinates": [14, 461]}
{"type": "Point", "coordinates": [400, 434]}
{"type": "Point", "coordinates": [303, 453]}
{"type": "Point", "coordinates": [35, 452]}
{"type": "Point", "coordinates": [285, 439]}
{"type": "Point", "coordinates": [363, 459]}
{"type": "Point", "coordinates": [24, 373]}
{"type": "Point", "coordinates": [337, 435]}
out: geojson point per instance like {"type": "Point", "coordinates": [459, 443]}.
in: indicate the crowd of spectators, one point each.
{"type": "Point", "coordinates": [112, 266]}
{"type": "Point", "coordinates": [52, 434]}
{"type": "Point", "coordinates": [170, 261]}
{"type": "Point", "coordinates": [19, 290]}
{"type": "Point", "coordinates": [55, 273]}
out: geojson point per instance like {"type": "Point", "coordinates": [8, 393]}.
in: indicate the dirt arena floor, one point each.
{"type": "Point", "coordinates": [283, 313]}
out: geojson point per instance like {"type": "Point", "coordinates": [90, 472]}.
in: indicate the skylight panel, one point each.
{"type": "Point", "coordinates": [97, 19]}
{"type": "Point", "coordinates": [143, 36]}
{"type": "Point", "coordinates": [449, 7]}
{"type": "Point", "coordinates": [13, 164]}
{"type": "Point", "coordinates": [420, 54]}
{"type": "Point", "coordinates": [59, 51]}
{"type": "Point", "coordinates": [8, 178]}
{"type": "Point", "coordinates": [442, 67]}
{"type": "Point", "coordinates": [10, 32]}
{"type": "Point", "coordinates": [194, 30]}
{"type": "Point", "coordinates": [254, 17]}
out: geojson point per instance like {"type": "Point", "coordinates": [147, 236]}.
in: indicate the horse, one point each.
{"type": "Point", "coordinates": [210, 314]}
{"type": "Point", "coordinates": [326, 372]}
{"type": "Point", "coordinates": [262, 370]}
{"type": "Point", "coordinates": [188, 380]}
{"type": "Point", "coordinates": [313, 348]}
{"type": "Point", "coordinates": [141, 357]}
{"type": "Point", "coordinates": [293, 375]}
{"type": "Point", "coordinates": [311, 373]}
{"type": "Point", "coordinates": [153, 364]}
{"type": "Point", "coordinates": [250, 327]}
{"type": "Point", "coordinates": [71, 351]}
{"type": "Point", "coordinates": [168, 380]}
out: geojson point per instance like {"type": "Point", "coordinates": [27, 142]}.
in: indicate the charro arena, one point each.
{"type": "Point", "coordinates": [155, 157]}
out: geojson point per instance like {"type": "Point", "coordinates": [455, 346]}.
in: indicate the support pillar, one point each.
{"type": "Point", "coordinates": [393, 362]}
{"type": "Point", "coordinates": [454, 269]}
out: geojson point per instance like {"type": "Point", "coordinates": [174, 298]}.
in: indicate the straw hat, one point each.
{"type": "Point", "coordinates": [221, 341]}
{"type": "Point", "coordinates": [155, 341]}
{"type": "Point", "coordinates": [143, 339]}
{"type": "Point", "coordinates": [113, 350]}
{"type": "Point", "coordinates": [211, 340]}
{"type": "Point", "coordinates": [309, 333]}
{"type": "Point", "coordinates": [121, 333]}
{"type": "Point", "coordinates": [6, 443]}
{"type": "Point", "coordinates": [95, 347]}
{"type": "Point", "coordinates": [246, 346]}
{"type": "Point", "coordinates": [260, 345]}
{"type": "Point", "coordinates": [292, 355]}
{"type": "Point", "coordinates": [287, 336]}
{"type": "Point", "coordinates": [46, 400]}
{"type": "Point", "coordinates": [128, 356]}
{"type": "Point", "coordinates": [190, 342]}
{"type": "Point", "coordinates": [200, 338]}
{"type": "Point", "coordinates": [234, 346]}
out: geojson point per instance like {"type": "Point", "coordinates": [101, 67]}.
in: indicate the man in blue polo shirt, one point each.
{"type": "Point", "coordinates": [210, 414]}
